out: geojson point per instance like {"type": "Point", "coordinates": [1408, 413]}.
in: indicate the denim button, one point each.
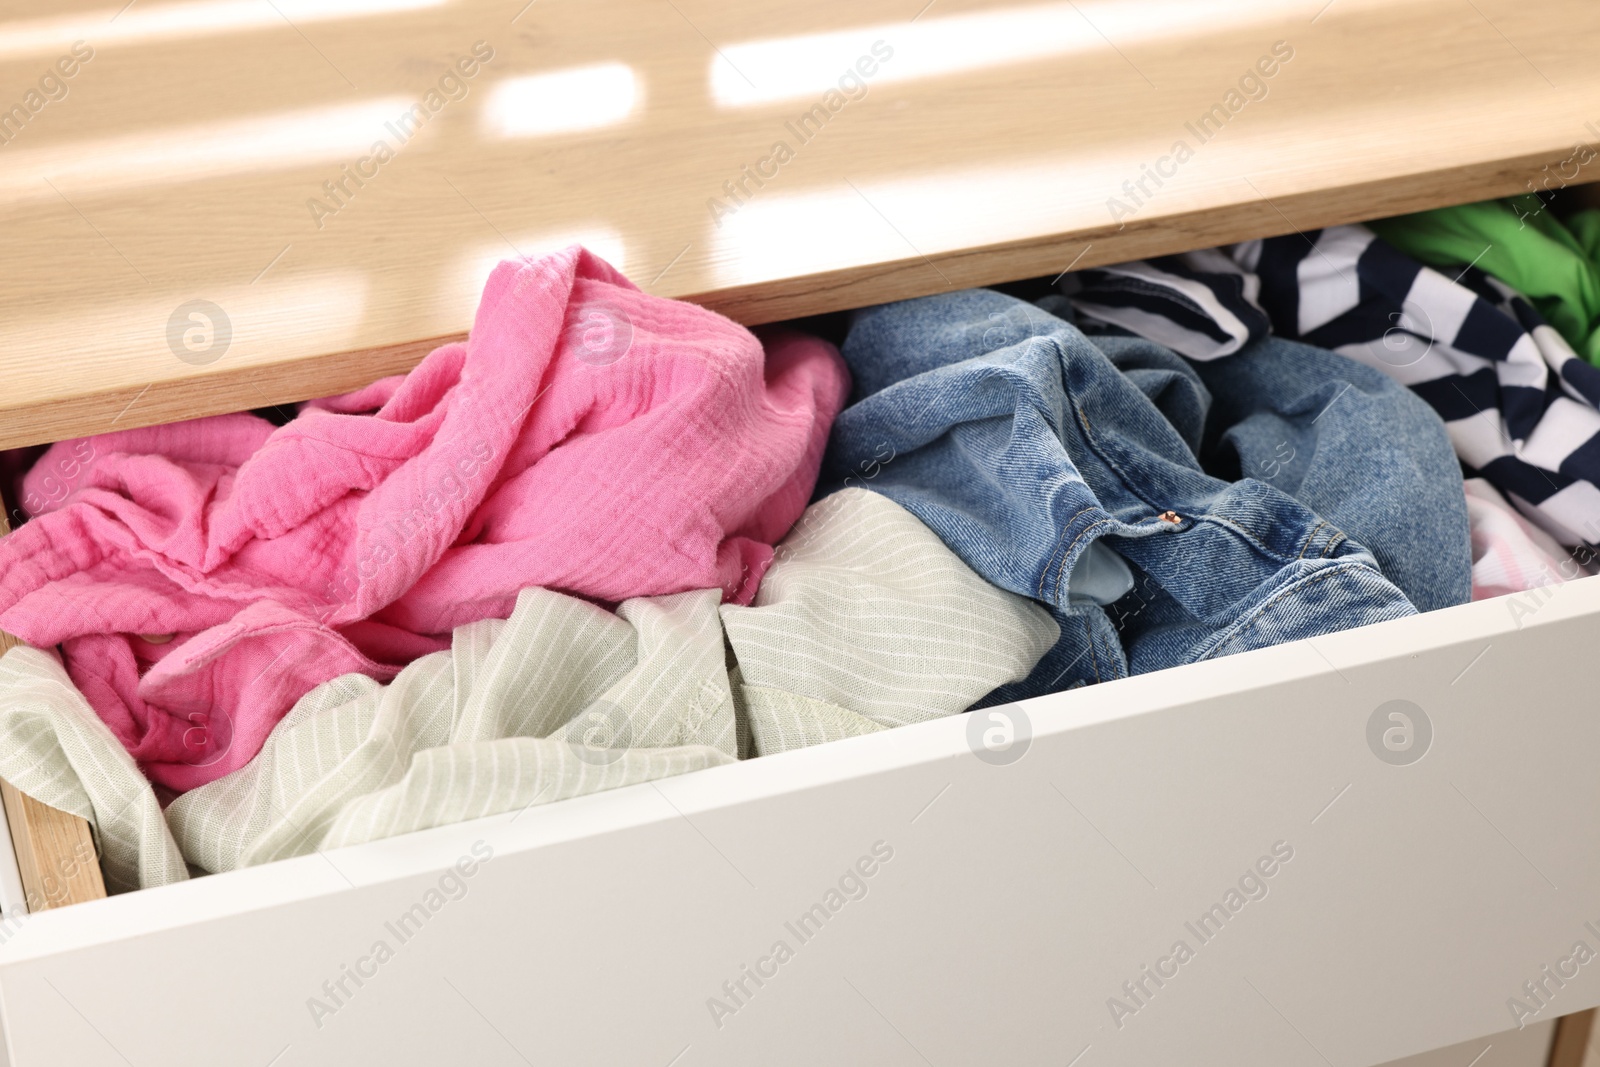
{"type": "Point", "coordinates": [1022, 457]}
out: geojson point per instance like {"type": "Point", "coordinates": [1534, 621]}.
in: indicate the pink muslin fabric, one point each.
{"type": "Point", "coordinates": [586, 437]}
{"type": "Point", "coordinates": [1509, 553]}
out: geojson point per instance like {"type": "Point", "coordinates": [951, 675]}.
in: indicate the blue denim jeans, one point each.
{"type": "Point", "coordinates": [1166, 512]}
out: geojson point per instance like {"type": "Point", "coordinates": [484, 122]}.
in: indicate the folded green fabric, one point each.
{"type": "Point", "coordinates": [864, 621]}
{"type": "Point", "coordinates": [1524, 245]}
{"type": "Point", "coordinates": [867, 621]}
{"type": "Point", "coordinates": [1585, 228]}
{"type": "Point", "coordinates": [54, 748]}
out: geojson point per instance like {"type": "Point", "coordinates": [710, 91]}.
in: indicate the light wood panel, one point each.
{"type": "Point", "coordinates": [55, 851]}
{"type": "Point", "coordinates": [179, 164]}
{"type": "Point", "coordinates": [1572, 1046]}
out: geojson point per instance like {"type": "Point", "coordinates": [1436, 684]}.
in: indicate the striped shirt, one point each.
{"type": "Point", "coordinates": [1520, 406]}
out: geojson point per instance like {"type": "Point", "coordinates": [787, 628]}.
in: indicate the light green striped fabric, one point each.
{"type": "Point", "coordinates": [561, 699]}
{"type": "Point", "coordinates": [865, 621]}
{"type": "Point", "coordinates": [54, 748]}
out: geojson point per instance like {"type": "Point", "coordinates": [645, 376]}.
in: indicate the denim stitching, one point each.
{"type": "Point", "coordinates": [1255, 617]}
{"type": "Point", "coordinates": [1094, 657]}
{"type": "Point", "coordinates": [1234, 526]}
{"type": "Point", "coordinates": [1109, 462]}
{"type": "Point", "coordinates": [1310, 537]}
{"type": "Point", "coordinates": [1051, 561]}
{"type": "Point", "coordinates": [1083, 421]}
{"type": "Point", "coordinates": [1081, 535]}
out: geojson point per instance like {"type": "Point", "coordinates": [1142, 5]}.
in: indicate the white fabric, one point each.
{"type": "Point", "coordinates": [54, 748]}
{"type": "Point", "coordinates": [1328, 290]}
{"type": "Point", "coordinates": [867, 621]}
{"type": "Point", "coordinates": [864, 621]}
{"type": "Point", "coordinates": [1164, 330]}
{"type": "Point", "coordinates": [1509, 553]}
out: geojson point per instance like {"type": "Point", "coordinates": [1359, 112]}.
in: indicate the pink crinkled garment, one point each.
{"type": "Point", "coordinates": [587, 437]}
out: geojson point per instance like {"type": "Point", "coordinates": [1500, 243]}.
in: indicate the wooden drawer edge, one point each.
{"type": "Point", "coordinates": [55, 850]}
{"type": "Point", "coordinates": [1242, 214]}
{"type": "Point", "coordinates": [1571, 1045]}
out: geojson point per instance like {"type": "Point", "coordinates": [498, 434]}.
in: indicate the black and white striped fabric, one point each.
{"type": "Point", "coordinates": [1521, 408]}
{"type": "Point", "coordinates": [1201, 304]}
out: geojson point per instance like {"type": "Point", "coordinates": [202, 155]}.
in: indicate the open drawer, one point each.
{"type": "Point", "coordinates": [914, 896]}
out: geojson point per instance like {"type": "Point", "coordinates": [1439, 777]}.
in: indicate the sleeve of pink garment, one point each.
{"type": "Point", "coordinates": [586, 437]}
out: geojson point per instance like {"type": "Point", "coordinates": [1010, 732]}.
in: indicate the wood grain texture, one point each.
{"type": "Point", "coordinates": [1571, 1045]}
{"type": "Point", "coordinates": [181, 163]}
{"type": "Point", "coordinates": [55, 850]}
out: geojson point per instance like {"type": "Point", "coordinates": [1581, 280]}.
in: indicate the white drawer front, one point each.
{"type": "Point", "coordinates": [1018, 900]}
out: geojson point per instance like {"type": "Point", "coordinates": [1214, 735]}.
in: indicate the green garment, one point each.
{"type": "Point", "coordinates": [1522, 243]}
{"type": "Point", "coordinates": [1585, 226]}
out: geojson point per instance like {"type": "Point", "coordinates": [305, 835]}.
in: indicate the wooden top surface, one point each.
{"type": "Point", "coordinates": [974, 143]}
